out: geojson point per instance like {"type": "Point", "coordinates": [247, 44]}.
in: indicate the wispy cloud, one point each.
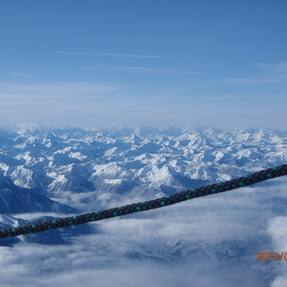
{"type": "Point", "coordinates": [20, 75]}
{"type": "Point", "coordinates": [140, 69]}
{"type": "Point", "coordinates": [58, 103]}
{"type": "Point", "coordinates": [105, 54]}
{"type": "Point", "coordinates": [276, 66]}
{"type": "Point", "coordinates": [268, 73]}
{"type": "Point", "coordinates": [51, 90]}
{"type": "Point", "coordinates": [260, 80]}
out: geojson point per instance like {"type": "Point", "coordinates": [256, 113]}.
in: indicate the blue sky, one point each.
{"type": "Point", "coordinates": [131, 62]}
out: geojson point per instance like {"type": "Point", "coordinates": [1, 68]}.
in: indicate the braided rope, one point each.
{"type": "Point", "coordinates": [147, 205]}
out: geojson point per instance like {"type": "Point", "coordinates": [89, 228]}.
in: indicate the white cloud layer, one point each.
{"type": "Point", "coordinates": [206, 242]}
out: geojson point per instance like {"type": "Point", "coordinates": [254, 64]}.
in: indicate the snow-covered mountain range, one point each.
{"type": "Point", "coordinates": [65, 171]}
{"type": "Point", "coordinates": [46, 170]}
{"type": "Point", "coordinates": [131, 160]}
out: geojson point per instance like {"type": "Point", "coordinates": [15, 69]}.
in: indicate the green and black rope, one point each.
{"type": "Point", "coordinates": [147, 205]}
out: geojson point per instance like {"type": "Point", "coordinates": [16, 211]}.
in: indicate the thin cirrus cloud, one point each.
{"type": "Point", "coordinates": [139, 69]}
{"type": "Point", "coordinates": [261, 80]}
{"type": "Point", "coordinates": [267, 73]}
{"type": "Point", "coordinates": [57, 103]}
{"type": "Point", "coordinates": [106, 54]}
{"type": "Point", "coordinates": [79, 104]}
{"type": "Point", "coordinates": [20, 75]}
{"type": "Point", "coordinates": [57, 89]}
{"type": "Point", "coordinates": [276, 66]}
{"type": "Point", "coordinates": [122, 103]}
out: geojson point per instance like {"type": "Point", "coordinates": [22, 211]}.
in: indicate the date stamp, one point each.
{"type": "Point", "coordinates": [271, 256]}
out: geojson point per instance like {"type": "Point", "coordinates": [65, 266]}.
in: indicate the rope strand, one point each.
{"type": "Point", "coordinates": [147, 205]}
